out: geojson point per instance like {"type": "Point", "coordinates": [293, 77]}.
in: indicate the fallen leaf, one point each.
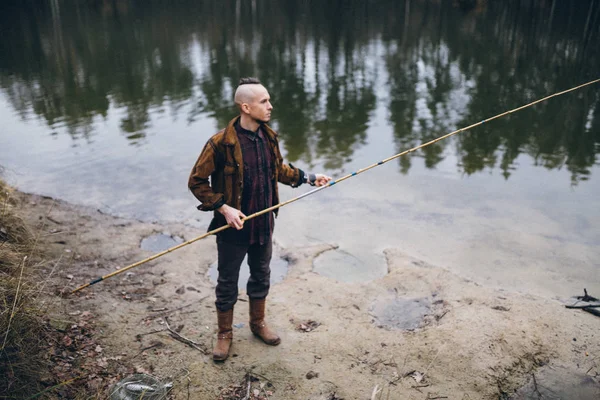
{"type": "Point", "coordinates": [418, 376]}
{"type": "Point", "coordinates": [308, 326]}
{"type": "Point", "coordinates": [102, 362]}
{"type": "Point", "coordinates": [67, 341]}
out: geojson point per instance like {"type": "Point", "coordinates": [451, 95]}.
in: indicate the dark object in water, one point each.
{"type": "Point", "coordinates": [586, 296]}
{"type": "Point", "coordinates": [583, 306]}
{"type": "Point", "coordinates": [591, 308]}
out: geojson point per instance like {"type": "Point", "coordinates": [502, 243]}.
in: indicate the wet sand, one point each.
{"type": "Point", "coordinates": [418, 331]}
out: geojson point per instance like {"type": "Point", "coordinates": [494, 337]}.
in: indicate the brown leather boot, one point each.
{"type": "Point", "coordinates": [221, 350]}
{"type": "Point", "coordinates": [258, 324]}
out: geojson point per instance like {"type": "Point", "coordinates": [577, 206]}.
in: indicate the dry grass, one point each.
{"type": "Point", "coordinates": [21, 328]}
{"type": "Point", "coordinates": [40, 358]}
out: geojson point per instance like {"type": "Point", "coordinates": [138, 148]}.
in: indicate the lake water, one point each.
{"type": "Point", "coordinates": [108, 103]}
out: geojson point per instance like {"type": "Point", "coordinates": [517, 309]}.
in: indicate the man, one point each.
{"type": "Point", "coordinates": [244, 164]}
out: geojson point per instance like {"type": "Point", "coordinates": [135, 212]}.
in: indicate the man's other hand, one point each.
{"type": "Point", "coordinates": [233, 216]}
{"type": "Point", "coordinates": [322, 180]}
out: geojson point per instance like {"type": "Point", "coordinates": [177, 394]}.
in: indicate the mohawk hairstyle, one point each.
{"type": "Point", "coordinates": [249, 81]}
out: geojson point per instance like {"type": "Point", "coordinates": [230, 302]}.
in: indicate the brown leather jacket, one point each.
{"type": "Point", "coordinates": [221, 160]}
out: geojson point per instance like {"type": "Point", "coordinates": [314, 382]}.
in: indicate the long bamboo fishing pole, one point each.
{"type": "Point", "coordinates": [331, 183]}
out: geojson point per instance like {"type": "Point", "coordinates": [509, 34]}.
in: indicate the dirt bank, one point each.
{"type": "Point", "coordinates": [464, 341]}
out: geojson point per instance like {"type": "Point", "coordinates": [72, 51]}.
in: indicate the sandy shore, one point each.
{"type": "Point", "coordinates": [460, 340]}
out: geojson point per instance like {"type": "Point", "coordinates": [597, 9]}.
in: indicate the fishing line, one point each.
{"type": "Point", "coordinates": [331, 183]}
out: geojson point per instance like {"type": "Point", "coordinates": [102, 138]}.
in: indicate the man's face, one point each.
{"type": "Point", "coordinates": [260, 107]}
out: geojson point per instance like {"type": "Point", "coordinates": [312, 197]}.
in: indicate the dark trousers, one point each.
{"type": "Point", "coordinates": [231, 255]}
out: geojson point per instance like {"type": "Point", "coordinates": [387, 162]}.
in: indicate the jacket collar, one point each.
{"type": "Point", "coordinates": [230, 137]}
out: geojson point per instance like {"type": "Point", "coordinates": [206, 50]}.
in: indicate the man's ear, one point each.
{"type": "Point", "coordinates": [245, 108]}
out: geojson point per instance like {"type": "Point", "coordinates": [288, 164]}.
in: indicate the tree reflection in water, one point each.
{"type": "Point", "coordinates": [329, 66]}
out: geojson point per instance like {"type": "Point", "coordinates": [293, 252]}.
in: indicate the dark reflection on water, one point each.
{"type": "Point", "coordinates": [430, 67]}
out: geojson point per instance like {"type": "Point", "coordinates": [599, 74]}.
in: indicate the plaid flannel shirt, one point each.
{"type": "Point", "coordinates": [257, 191]}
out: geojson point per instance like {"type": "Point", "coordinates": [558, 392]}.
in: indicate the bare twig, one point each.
{"type": "Point", "coordinates": [53, 220]}
{"type": "Point", "coordinates": [167, 312]}
{"type": "Point", "coordinates": [184, 340]}
{"type": "Point", "coordinates": [187, 341]}
{"type": "Point", "coordinates": [535, 387]}
{"type": "Point", "coordinates": [393, 381]}
{"type": "Point", "coordinates": [248, 388]}
{"type": "Point", "coordinates": [53, 233]}
{"type": "Point", "coordinates": [12, 314]}
{"type": "Point", "coordinates": [139, 335]}
{"type": "Point", "coordinates": [189, 381]}
{"type": "Point", "coordinates": [442, 316]}
{"type": "Point", "coordinates": [158, 344]}
{"type": "Point", "coordinates": [588, 371]}
{"type": "Point", "coordinates": [434, 358]}
{"type": "Point", "coordinates": [261, 376]}
{"type": "Point", "coordinates": [375, 391]}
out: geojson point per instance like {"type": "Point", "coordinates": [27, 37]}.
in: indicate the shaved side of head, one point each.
{"type": "Point", "coordinates": [246, 93]}
{"type": "Point", "coordinates": [248, 88]}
